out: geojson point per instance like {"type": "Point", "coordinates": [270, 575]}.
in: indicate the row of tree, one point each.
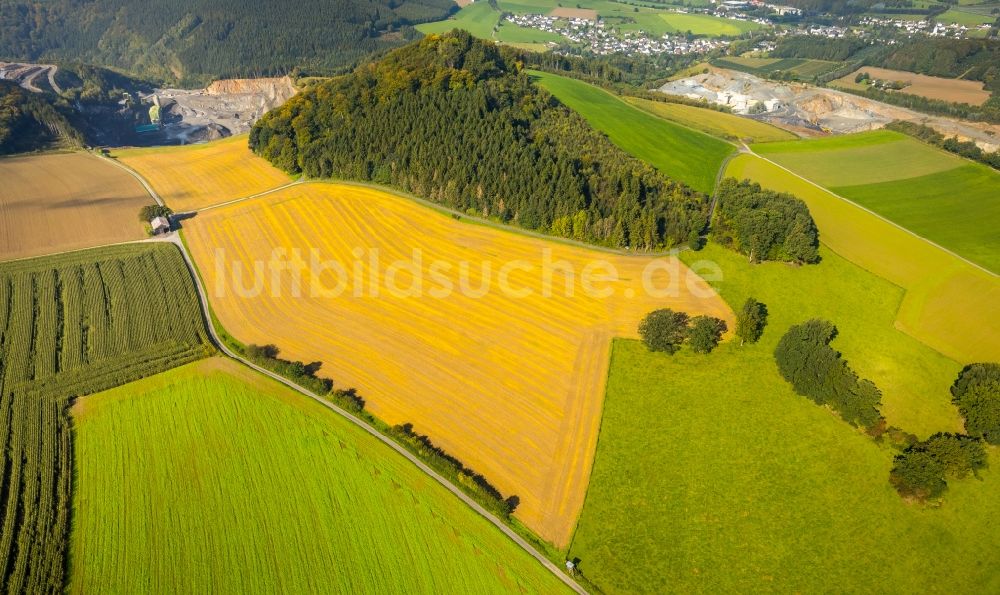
{"type": "Point", "coordinates": [817, 371]}
{"type": "Point", "coordinates": [666, 330]}
{"type": "Point", "coordinates": [298, 372]}
{"type": "Point", "coordinates": [455, 120]}
{"type": "Point", "coordinates": [348, 399]}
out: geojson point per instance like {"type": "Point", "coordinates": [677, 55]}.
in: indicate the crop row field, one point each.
{"type": "Point", "coordinates": [211, 477]}
{"type": "Point", "coordinates": [709, 121]}
{"type": "Point", "coordinates": [65, 201]}
{"type": "Point", "coordinates": [940, 196]}
{"type": "Point", "coordinates": [949, 304]}
{"type": "Point", "coordinates": [499, 353]}
{"type": "Point", "coordinates": [192, 177]}
{"type": "Point", "coordinates": [682, 153]}
{"type": "Point", "coordinates": [71, 325]}
{"type": "Point", "coordinates": [931, 87]}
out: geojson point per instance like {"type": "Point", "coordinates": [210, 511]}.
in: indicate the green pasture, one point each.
{"type": "Point", "coordinates": [963, 17]}
{"type": "Point", "coordinates": [865, 158]}
{"type": "Point", "coordinates": [211, 478]}
{"type": "Point", "coordinates": [477, 18]}
{"type": "Point", "coordinates": [958, 209]}
{"type": "Point", "coordinates": [709, 121]}
{"type": "Point", "coordinates": [938, 195]}
{"type": "Point", "coordinates": [514, 34]}
{"type": "Point", "coordinates": [682, 153]}
{"type": "Point", "coordinates": [805, 68]}
{"type": "Point", "coordinates": [948, 304]}
{"type": "Point", "coordinates": [711, 476]}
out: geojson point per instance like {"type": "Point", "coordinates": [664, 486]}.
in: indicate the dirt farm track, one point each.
{"type": "Point", "coordinates": [512, 386]}
{"type": "Point", "coordinates": [65, 201]}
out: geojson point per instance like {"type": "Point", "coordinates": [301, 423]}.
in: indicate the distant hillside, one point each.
{"type": "Point", "coordinates": [456, 120]}
{"type": "Point", "coordinates": [967, 59]}
{"type": "Point", "coordinates": [196, 40]}
{"type": "Point", "coordinates": [28, 121]}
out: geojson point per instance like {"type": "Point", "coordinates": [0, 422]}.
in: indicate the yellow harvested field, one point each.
{"type": "Point", "coordinates": [931, 87]}
{"type": "Point", "coordinates": [66, 201]}
{"type": "Point", "coordinates": [192, 177]}
{"type": "Point", "coordinates": [511, 384]}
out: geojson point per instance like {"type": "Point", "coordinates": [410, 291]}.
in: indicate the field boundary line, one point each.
{"type": "Point", "coordinates": [149, 240]}
{"type": "Point", "coordinates": [135, 175]}
{"type": "Point", "coordinates": [475, 506]}
{"type": "Point", "coordinates": [871, 212]}
{"type": "Point", "coordinates": [251, 196]}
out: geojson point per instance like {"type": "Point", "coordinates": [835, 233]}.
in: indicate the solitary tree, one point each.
{"type": "Point", "coordinates": [705, 333]}
{"type": "Point", "coordinates": [750, 321]}
{"type": "Point", "coordinates": [923, 469]}
{"type": "Point", "coordinates": [664, 330]}
{"type": "Point", "coordinates": [976, 392]}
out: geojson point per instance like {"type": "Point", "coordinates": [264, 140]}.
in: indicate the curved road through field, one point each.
{"type": "Point", "coordinates": [175, 239]}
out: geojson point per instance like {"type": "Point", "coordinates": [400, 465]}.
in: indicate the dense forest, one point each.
{"type": "Point", "coordinates": [28, 122]}
{"type": "Point", "coordinates": [191, 41]}
{"type": "Point", "coordinates": [457, 121]}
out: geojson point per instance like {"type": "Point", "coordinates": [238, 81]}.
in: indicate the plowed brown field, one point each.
{"type": "Point", "coordinates": [512, 386]}
{"type": "Point", "coordinates": [66, 201]}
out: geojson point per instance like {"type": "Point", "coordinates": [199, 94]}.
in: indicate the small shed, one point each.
{"type": "Point", "coordinates": [159, 225]}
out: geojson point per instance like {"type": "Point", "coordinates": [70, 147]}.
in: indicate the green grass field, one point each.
{"type": "Point", "coordinates": [935, 194]}
{"type": "Point", "coordinates": [720, 124]}
{"type": "Point", "coordinates": [682, 153]}
{"type": "Point", "coordinates": [865, 158]}
{"type": "Point", "coordinates": [958, 208]}
{"type": "Point", "coordinates": [477, 18]}
{"type": "Point", "coordinates": [705, 24]}
{"type": "Point", "coordinates": [480, 19]}
{"type": "Point", "coordinates": [70, 325]}
{"type": "Point", "coordinates": [211, 478]}
{"type": "Point", "coordinates": [513, 34]}
{"type": "Point", "coordinates": [711, 476]}
{"type": "Point", "coordinates": [804, 68]}
{"type": "Point", "coordinates": [962, 17]}
{"type": "Point", "coordinates": [949, 304]}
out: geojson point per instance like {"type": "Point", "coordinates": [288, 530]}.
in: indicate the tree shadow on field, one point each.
{"type": "Point", "coordinates": [177, 219]}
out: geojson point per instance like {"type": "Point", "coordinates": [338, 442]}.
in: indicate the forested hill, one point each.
{"type": "Point", "coordinates": [29, 122]}
{"type": "Point", "coordinates": [455, 120]}
{"type": "Point", "coordinates": [192, 41]}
